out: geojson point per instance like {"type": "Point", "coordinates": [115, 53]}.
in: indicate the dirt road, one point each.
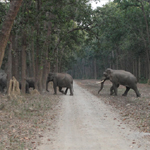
{"type": "Point", "coordinates": [84, 122]}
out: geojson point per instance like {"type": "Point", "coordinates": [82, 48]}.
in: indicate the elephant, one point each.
{"type": "Point", "coordinates": [60, 80]}
{"type": "Point", "coordinates": [120, 77]}
{"type": "Point", "coordinates": [31, 83]}
{"type": "Point", "coordinates": [3, 81]}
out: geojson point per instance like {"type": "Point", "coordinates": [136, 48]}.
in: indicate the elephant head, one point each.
{"type": "Point", "coordinates": [50, 77]}
{"type": "Point", "coordinates": [107, 74]}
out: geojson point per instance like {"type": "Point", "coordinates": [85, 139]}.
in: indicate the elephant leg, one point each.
{"type": "Point", "coordinates": [115, 88]}
{"type": "Point", "coordinates": [112, 89]}
{"type": "Point", "coordinates": [60, 90]}
{"type": "Point", "coordinates": [71, 90]}
{"type": "Point", "coordinates": [136, 91]}
{"type": "Point", "coordinates": [126, 91]}
{"type": "Point", "coordinates": [27, 88]}
{"type": "Point", "coordinates": [55, 89]}
{"type": "Point", "coordinates": [66, 91]}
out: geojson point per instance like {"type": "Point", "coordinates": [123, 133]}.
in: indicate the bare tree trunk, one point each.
{"type": "Point", "coordinates": [60, 60]}
{"type": "Point", "coordinates": [9, 66]}
{"type": "Point", "coordinates": [112, 64]}
{"type": "Point", "coordinates": [14, 54]}
{"type": "Point", "coordinates": [23, 71]}
{"type": "Point", "coordinates": [133, 67]}
{"type": "Point", "coordinates": [95, 69]}
{"type": "Point", "coordinates": [37, 63]}
{"type": "Point", "coordinates": [29, 66]}
{"type": "Point", "coordinates": [40, 78]}
{"type": "Point", "coordinates": [46, 65]}
{"type": "Point", "coordinates": [46, 70]}
{"type": "Point", "coordinates": [56, 63]}
{"type": "Point", "coordinates": [7, 26]}
{"type": "Point", "coordinates": [15, 58]}
{"type": "Point", "coordinates": [32, 58]}
{"type": "Point", "coordinates": [139, 68]}
{"type": "Point", "coordinates": [38, 71]}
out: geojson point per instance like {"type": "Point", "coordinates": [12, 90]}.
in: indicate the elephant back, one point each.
{"type": "Point", "coordinates": [125, 77]}
{"type": "Point", "coordinates": [64, 79]}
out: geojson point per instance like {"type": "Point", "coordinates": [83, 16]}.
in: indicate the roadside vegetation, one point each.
{"type": "Point", "coordinates": [24, 119]}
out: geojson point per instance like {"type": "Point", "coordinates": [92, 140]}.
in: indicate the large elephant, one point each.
{"type": "Point", "coordinates": [120, 77]}
{"type": "Point", "coordinates": [60, 80]}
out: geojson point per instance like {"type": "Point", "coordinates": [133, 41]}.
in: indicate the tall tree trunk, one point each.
{"type": "Point", "coordinates": [139, 68]}
{"type": "Point", "coordinates": [95, 69]}
{"type": "Point", "coordinates": [23, 71]}
{"type": "Point", "coordinates": [112, 63]}
{"type": "Point", "coordinates": [9, 66]}
{"type": "Point", "coordinates": [46, 69]}
{"type": "Point", "coordinates": [37, 63]}
{"type": "Point", "coordinates": [56, 60]}
{"type": "Point", "coordinates": [29, 66]}
{"type": "Point", "coordinates": [46, 65]}
{"type": "Point", "coordinates": [60, 60]}
{"type": "Point", "coordinates": [32, 57]}
{"type": "Point", "coordinates": [7, 26]}
{"type": "Point", "coordinates": [15, 58]}
{"type": "Point", "coordinates": [38, 56]}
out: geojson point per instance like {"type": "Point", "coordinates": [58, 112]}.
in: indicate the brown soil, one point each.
{"type": "Point", "coordinates": [132, 109]}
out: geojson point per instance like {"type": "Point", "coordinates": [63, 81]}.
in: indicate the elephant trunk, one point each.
{"type": "Point", "coordinates": [102, 84]}
{"type": "Point", "coordinates": [47, 86]}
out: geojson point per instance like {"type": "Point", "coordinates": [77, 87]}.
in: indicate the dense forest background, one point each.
{"type": "Point", "coordinates": [69, 36]}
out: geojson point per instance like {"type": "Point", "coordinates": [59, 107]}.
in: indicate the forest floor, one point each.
{"type": "Point", "coordinates": [23, 120]}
